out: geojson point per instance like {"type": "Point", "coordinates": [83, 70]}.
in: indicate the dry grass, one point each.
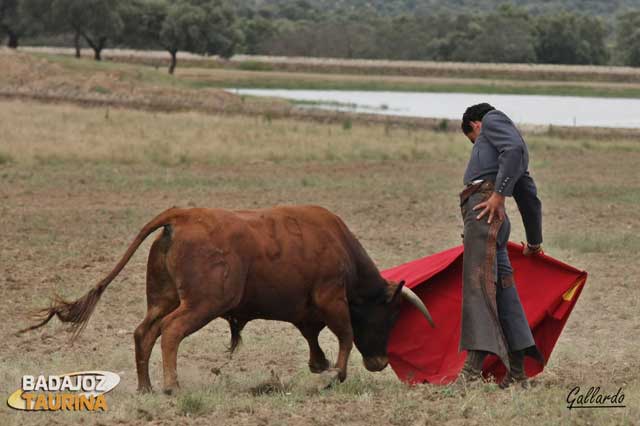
{"type": "Point", "coordinates": [309, 78]}
{"type": "Point", "coordinates": [309, 73]}
{"type": "Point", "coordinates": [102, 135]}
{"type": "Point", "coordinates": [61, 79]}
{"type": "Point", "coordinates": [546, 72]}
{"type": "Point", "coordinates": [79, 183]}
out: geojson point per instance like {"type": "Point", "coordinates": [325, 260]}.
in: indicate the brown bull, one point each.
{"type": "Point", "coordinates": [296, 264]}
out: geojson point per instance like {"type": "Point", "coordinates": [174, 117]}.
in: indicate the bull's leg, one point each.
{"type": "Point", "coordinates": [211, 284]}
{"type": "Point", "coordinates": [317, 360]}
{"type": "Point", "coordinates": [337, 317]}
{"type": "Point", "coordinates": [145, 337]}
{"type": "Point", "coordinates": [162, 298]}
{"type": "Point", "coordinates": [185, 320]}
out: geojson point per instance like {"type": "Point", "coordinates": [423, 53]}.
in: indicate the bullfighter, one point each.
{"type": "Point", "coordinates": [493, 320]}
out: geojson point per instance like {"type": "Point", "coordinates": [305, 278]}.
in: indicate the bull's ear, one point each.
{"type": "Point", "coordinates": [398, 290]}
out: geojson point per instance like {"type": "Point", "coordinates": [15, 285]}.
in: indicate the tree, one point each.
{"type": "Point", "coordinates": [628, 38]}
{"type": "Point", "coordinates": [594, 33]}
{"type": "Point", "coordinates": [399, 38]}
{"type": "Point", "coordinates": [355, 35]}
{"type": "Point", "coordinates": [451, 35]}
{"type": "Point", "coordinates": [198, 26]}
{"type": "Point", "coordinates": [256, 31]}
{"type": "Point", "coordinates": [38, 18]}
{"type": "Point", "coordinates": [220, 29]}
{"type": "Point", "coordinates": [143, 21]}
{"type": "Point", "coordinates": [289, 38]}
{"type": "Point", "coordinates": [297, 10]}
{"type": "Point", "coordinates": [96, 21]}
{"type": "Point", "coordinates": [19, 18]}
{"type": "Point", "coordinates": [11, 21]}
{"type": "Point", "coordinates": [503, 36]}
{"type": "Point", "coordinates": [568, 38]}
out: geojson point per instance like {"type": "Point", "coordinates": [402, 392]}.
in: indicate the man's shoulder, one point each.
{"type": "Point", "coordinates": [495, 116]}
{"type": "Point", "coordinates": [497, 122]}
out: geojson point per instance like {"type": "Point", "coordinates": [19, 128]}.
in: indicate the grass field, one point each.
{"type": "Point", "coordinates": [316, 81]}
{"type": "Point", "coordinates": [77, 182]}
{"type": "Point", "coordinates": [343, 74]}
{"type": "Point", "coordinates": [54, 78]}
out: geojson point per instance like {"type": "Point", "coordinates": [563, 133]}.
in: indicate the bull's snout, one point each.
{"type": "Point", "coordinates": [376, 363]}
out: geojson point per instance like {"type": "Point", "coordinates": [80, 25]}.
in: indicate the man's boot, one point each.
{"type": "Point", "coordinates": [472, 369]}
{"type": "Point", "coordinates": [516, 374]}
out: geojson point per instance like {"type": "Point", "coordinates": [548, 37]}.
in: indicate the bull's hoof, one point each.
{"type": "Point", "coordinates": [170, 390]}
{"type": "Point", "coordinates": [145, 389]}
{"type": "Point", "coordinates": [330, 378]}
{"type": "Point", "coordinates": [319, 367]}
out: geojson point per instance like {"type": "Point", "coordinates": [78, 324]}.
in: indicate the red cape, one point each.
{"type": "Point", "coordinates": [548, 289]}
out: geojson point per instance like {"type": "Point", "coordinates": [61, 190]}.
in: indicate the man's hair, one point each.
{"type": "Point", "coordinates": [474, 113]}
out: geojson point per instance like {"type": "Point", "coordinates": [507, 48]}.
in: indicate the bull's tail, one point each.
{"type": "Point", "coordinates": [236, 326]}
{"type": "Point", "coordinates": [78, 312]}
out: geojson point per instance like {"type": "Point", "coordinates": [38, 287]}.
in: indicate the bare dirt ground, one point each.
{"type": "Point", "coordinates": [77, 183]}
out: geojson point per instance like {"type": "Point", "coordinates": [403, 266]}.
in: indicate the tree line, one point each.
{"type": "Point", "coordinates": [305, 28]}
{"type": "Point", "coordinates": [199, 26]}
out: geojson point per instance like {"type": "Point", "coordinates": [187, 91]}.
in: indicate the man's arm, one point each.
{"type": "Point", "coordinates": [512, 163]}
{"type": "Point", "coordinates": [506, 139]}
{"type": "Point", "coordinates": [526, 196]}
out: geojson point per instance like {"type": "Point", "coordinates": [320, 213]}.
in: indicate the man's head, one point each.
{"type": "Point", "coordinates": [472, 120]}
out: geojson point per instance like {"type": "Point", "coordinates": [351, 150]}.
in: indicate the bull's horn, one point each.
{"type": "Point", "coordinates": [415, 301]}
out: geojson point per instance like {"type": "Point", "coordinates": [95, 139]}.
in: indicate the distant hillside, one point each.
{"type": "Point", "coordinates": [607, 8]}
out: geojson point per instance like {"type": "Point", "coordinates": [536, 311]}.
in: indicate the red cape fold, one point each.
{"type": "Point", "coordinates": [548, 289]}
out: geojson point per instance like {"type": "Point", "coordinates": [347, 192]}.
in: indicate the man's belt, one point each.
{"type": "Point", "coordinates": [475, 186]}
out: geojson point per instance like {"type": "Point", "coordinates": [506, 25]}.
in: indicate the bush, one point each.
{"type": "Point", "coordinates": [5, 158]}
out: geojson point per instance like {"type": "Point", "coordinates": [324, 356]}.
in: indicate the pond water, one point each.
{"type": "Point", "coordinates": [524, 109]}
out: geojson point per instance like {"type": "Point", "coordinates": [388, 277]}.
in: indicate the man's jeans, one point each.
{"type": "Point", "coordinates": [510, 312]}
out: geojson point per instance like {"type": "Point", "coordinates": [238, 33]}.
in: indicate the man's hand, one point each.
{"type": "Point", "coordinates": [494, 206]}
{"type": "Point", "coordinates": [531, 249]}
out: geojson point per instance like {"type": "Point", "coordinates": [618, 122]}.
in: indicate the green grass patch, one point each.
{"type": "Point", "coordinates": [255, 66]}
{"type": "Point", "coordinates": [53, 159]}
{"type": "Point", "coordinates": [5, 158]}
{"type": "Point", "coordinates": [598, 242]}
{"type": "Point", "coordinates": [192, 404]}
{"type": "Point", "coordinates": [263, 80]}
{"type": "Point", "coordinates": [304, 102]}
{"type": "Point", "coordinates": [604, 192]}
{"type": "Point", "coordinates": [126, 72]}
{"type": "Point", "coordinates": [101, 90]}
{"type": "Point", "coordinates": [556, 143]}
{"type": "Point", "coordinates": [443, 126]}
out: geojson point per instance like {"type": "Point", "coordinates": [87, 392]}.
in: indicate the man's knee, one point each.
{"type": "Point", "coordinates": [503, 263]}
{"type": "Point", "coordinates": [506, 281]}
